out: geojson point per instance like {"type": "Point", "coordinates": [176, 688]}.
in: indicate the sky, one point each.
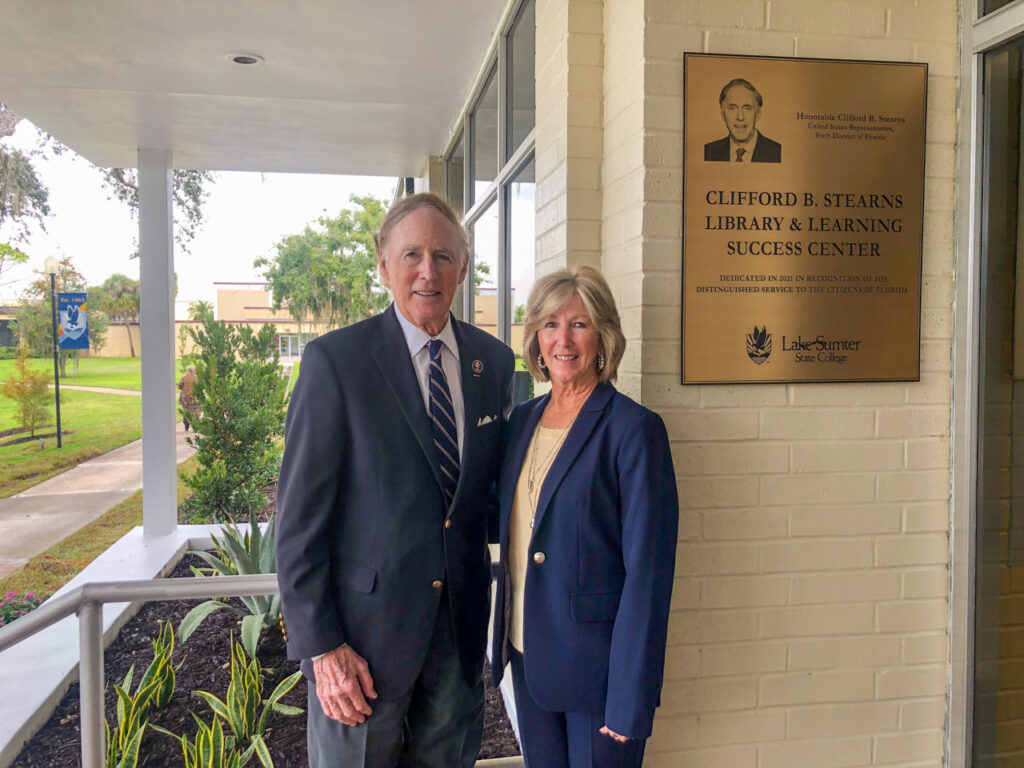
{"type": "Point", "coordinates": [244, 216]}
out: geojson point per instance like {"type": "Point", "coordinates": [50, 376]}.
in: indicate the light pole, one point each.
{"type": "Point", "coordinates": [51, 265]}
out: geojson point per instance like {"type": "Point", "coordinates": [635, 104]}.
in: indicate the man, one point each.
{"type": "Point", "coordinates": [393, 440]}
{"type": "Point", "coordinates": [741, 103]}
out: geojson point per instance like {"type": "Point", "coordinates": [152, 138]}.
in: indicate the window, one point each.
{"type": "Point", "coordinates": [490, 178]}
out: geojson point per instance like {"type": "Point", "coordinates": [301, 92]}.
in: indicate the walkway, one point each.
{"type": "Point", "coordinates": [35, 519]}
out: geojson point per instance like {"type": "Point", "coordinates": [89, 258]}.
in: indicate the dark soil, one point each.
{"type": "Point", "coordinates": [205, 654]}
{"type": "Point", "coordinates": [31, 438]}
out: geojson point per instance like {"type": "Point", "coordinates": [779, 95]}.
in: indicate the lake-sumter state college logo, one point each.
{"type": "Point", "coordinates": [759, 344]}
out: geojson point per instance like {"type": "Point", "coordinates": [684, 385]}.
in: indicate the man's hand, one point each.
{"type": "Point", "coordinates": [612, 734]}
{"type": "Point", "coordinates": [343, 684]}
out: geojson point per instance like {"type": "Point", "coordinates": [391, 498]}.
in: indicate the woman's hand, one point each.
{"type": "Point", "coordinates": [612, 734]}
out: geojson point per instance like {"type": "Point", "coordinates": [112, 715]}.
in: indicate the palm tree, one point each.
{"type": "Point", "coordinates": [119, 298]}
{"type": "Point", "coordinates": [199, 311]}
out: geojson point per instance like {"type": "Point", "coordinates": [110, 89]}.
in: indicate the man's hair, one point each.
{"type": "Point", "coordinates": [552, 292]}
{"type": "Point", "coordinates": [402, 208]}
{"type": "Point", "coordinates": [746, 84]}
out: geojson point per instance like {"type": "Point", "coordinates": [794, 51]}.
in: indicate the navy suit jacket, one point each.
{"type": "Point", "coordinates": [765, 150]}
{"type": "Point", "coordinates": [363, 530]}
{"type": "Point", "coordinates": [596, 609]}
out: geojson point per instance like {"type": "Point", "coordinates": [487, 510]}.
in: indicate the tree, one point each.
{"type": "Point", "coordinates": [241, 399]}
{"type": "Point", "coordinates": [29, 389]}
{"type": "Point", "coordinates": [35, 319]}
{"type": "Point", "coordinates": [198, 311]}
{"type": "Point", "coordinates": [118, 297]}
{"type": "Point", "coordinates": [519, 316]}
{"type": "Point", "coordinates": [24, 198]}
{"type": "Point", "coordinates": [328, 275]}
{"type": "Point", "coordinates": [10, 255]}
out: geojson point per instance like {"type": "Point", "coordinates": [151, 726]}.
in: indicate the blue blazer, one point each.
{"type": "Point", "coordinates": [363, 530]}
{"type": "Point", "coordinates": [596, 606]}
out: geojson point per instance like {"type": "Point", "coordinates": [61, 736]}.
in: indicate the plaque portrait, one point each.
{"type": "Point", "coordinates": [803, 206]}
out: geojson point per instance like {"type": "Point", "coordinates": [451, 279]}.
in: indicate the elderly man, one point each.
{"type": "Point", "coordinates": [741, 104]}
{"type": "Point", "coordinates": [393, 441]}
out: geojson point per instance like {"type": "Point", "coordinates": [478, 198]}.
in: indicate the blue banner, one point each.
{"type": "Point", "coordinates": [73, 330]}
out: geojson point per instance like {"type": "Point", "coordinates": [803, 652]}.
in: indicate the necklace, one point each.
{"type": "Point", "coordinates": [536, 472]}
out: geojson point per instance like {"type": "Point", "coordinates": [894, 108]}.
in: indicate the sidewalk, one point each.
{"type": "Point", "coordinates": [37, 518]}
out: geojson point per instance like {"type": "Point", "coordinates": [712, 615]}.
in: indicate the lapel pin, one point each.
{"type": "Point", "coordinates": [478, 367]}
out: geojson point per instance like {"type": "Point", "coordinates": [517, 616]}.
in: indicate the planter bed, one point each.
{"type": "Point", "coordinates": [206, 656]}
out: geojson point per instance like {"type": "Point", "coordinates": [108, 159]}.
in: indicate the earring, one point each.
{"type": "Point", "coordinates": [600, 361]}
{"type": "Point", "coordinates": [540, 361]}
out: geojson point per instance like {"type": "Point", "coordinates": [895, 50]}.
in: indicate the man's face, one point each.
{"type": "Point", "coordinates": [740, 112]}
{"type": "Point", "coordinates": [424, 263]}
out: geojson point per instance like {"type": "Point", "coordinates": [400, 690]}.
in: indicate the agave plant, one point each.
{"type": "Point", "coordinates": [239, 552]}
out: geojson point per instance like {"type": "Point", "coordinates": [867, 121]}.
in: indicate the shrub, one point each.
{"type": "Point", "coordinates": [15, 605]}
{"type": "Point", "coordinates": [30, 391]}
{"type": "Point", "coordinates": [240, 552]}
{"type": "Point", "coordinates": [237, 435]}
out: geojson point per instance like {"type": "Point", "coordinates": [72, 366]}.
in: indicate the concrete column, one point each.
{"type": "Point", "coordinates": [159, 465]}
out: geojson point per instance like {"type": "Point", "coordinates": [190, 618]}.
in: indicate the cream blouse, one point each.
{"type": "Point", "coordinates": [540, 455]}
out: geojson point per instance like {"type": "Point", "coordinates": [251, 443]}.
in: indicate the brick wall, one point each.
{"type": "Point", "coordinates": [809, 614]}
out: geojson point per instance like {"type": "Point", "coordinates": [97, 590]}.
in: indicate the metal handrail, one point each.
{"type": "Point", "coordinates": [87, 601]}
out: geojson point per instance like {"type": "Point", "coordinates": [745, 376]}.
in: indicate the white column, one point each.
{"type": "Point", "coordinates": [156, 255]}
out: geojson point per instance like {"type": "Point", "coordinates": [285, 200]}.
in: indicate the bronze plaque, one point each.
{"type": "Point", "coordinates": [803, 200]}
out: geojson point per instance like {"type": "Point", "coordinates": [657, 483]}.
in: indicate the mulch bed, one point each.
{"type": "Point", "coordinates": [29, 438]}
{"type": "Point", "coordinates": [57, 744]}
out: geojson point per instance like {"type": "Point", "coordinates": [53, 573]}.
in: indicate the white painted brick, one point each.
{"type": "Point", "coordinates": [745, 458]}
{"type": "Point", "coordinates": [914, 486]}
{"type": "Point", "coordinates": [838, 520]}
{"type": "Point", "coordinates": [815, 687]}
{"type": "Point", "coordinates": [807, 424]}
{"type": "Point", "coordinates": [933, 516]}
{"type": "Point", "coordinates": [835, 753]}
{"type": "Point", "coordinates": [814, 555]}
{"type": "Point", "coordinates": [906, 616]}
{"type": "Point", "coordinates": [930, 453]}
{"type": "Point", "coordinates": [817, 489]}
{"type": "Point", "coordinates": [911, 682]}
{"type": "Point", "coordinates": [925, 582]}
{"type": "Point", "coordinates": [832, 47]}
{"type": "Point", "coordinates": [919, 715]}
{"type": "Point", "coordinates": [913, 422]}
{"type": "Point", "coordinates": [926, 649]}
{"type": "Point", "coordinates": [850, 652]}
{"type": "Point", "coordinates": [856, 586]}
{"type": "Point", "coordinates": [753, 395]}
{"type": "Point", "coordinates": [816, 620]}
{"type": "Point", "coordinates": [744, 592]}
{"type": "Point", "coordinates": [711, 627]}
{"type": "Point", "coordinates": [925, 549]}
{"type": "Point", "coordinates": [721, 757]}
{"type": "Point", "coordinates": [845, 720]}
{"type": "Point", "coordinates": [716, 559]}
{"type": "Point", "coordinates": [847, 456]}
{"type": "Point", "coordinates": [885, 393]}
{"type": "Point", "coordinates": [748, 14]}
{"type": "Point", "coordinates": [712, 425]}
{"type": "Point", "coordinates": [766, 43]}
{"type": "Point", "coordinates": [818, 18]}
{"type": "Point", "coordinates": [890, 748]}
{"type": "Point", "coordinates": [743, 659]}
{"type": "Point", "coordinates": [703, 696]}
{"type": "Point", "coordinates": [923, 22]}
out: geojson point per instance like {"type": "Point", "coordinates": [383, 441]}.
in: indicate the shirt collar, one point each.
{"type": "Point", "coordinates": [749, 147]}
{"type": "Point", "coordinates": [416, 338]}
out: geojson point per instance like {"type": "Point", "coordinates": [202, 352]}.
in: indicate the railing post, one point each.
{"type": "Point", "coordinates": [90, 676]}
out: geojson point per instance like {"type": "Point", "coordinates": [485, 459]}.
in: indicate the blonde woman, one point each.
{"type": "Point", "coordinates": [588, 525]}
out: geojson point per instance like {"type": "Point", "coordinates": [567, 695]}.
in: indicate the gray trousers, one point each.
{"type": "Point", "coordinates": [438, 724]}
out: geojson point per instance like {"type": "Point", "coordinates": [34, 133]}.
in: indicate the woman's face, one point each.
{"type": "Point", "coordinates": [569, 344]}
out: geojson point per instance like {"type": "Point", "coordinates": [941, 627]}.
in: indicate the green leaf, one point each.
{"type": "Point", "coordinates": [196, 616]}
{"type": "Point", "coordinates": [288, 709]}
{"type": "Point", "coordinates": [215, 562]}
{"type": "Point", "coordinates": [130, 755]}
{"type": "Point", "coordinates": [219, 707]}
{"type": "Point", "coordinates": [252, 627]}
{"type": "Point", "coordinates": [262, 753]}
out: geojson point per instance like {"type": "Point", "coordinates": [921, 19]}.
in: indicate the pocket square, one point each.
{"type": "Point", "coordinates": [486, 420]}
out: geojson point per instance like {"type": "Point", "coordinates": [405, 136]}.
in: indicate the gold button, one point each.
{"type": "Point", "coordinates": [438, 584]}
{"type": "Point", "coordinates": [447, 523]}
{"type": "Point", "coordinates": [538, 557]}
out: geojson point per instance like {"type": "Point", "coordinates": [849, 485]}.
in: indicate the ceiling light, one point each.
{"type": "Point", "coordinates": [244, 59]}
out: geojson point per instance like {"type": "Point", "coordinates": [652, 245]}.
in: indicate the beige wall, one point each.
{"type": "Point", "coordinates": [809, 623]}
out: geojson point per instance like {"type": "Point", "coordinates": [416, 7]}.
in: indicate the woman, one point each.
{"type": "Point", "coordinates": [187, 398]}
{"type": "Point", "coordinates": [589, 517]}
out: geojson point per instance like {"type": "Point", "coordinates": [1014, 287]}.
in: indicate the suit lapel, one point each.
{"type": "Point", "coordinates": [470, 402]}
{"type": "Point", "coordinates": [578, 435]}
{"type": "Point", "coordinates": [391, 354]}
{"type": "Point", "coordinates": [515, 458]}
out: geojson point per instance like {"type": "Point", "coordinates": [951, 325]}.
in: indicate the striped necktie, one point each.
{"type": "Point", "coordinates": [442, 421]}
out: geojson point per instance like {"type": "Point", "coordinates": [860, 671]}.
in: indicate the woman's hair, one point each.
{"type": "Point", "coordinates": [402, 208]}
{"type": "Point", "coordinates": [552, 292]}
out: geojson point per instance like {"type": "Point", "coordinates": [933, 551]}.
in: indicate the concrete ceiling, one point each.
{"type": "Point", "coordinates": [365, 87]}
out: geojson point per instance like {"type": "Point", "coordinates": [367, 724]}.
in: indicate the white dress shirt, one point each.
{"type": "Point", "coordinates": [748, 149]}
{"type": "Point", "coordinates": [417, 339]}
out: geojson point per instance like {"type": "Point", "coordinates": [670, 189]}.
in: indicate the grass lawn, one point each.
{"type": "Point", "coordinates": [111, 372]}
{"type": "Point", "coordinates": [99, 423]}
{"type": "Point", "coordinates": [44, 574]}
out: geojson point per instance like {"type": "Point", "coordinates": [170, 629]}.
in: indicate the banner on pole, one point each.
{"type": "Point", "coordinates": [73, 329]}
